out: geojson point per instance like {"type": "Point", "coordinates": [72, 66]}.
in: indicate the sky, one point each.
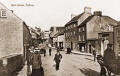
{"type": "Point", "coordinates": [47, 13]}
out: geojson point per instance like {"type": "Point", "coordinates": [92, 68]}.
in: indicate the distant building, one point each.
{"type": "Point", "coordinates": [46, 36]}
{"type": "Point", "coordinates": [57, 37]}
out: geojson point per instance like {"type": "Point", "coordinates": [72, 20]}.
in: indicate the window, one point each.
{"type": "Point", "coordinates": [3, 13]}
{"type": "Point", "coordinates": [79, 38]}
{"type": "Point", "coordinates": [79, 30]}
{"type": "Point", "coordinates": [83, 29]}
{"type": "Point", "coordinates": [83, 38]}
{"type": "Point", "coordinates": [118, 32]}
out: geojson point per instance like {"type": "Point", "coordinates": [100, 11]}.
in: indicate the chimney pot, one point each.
{"type": "Point", "coordinates": [98, 13]}
{"type": "Point", "coordinates": [87, 10]}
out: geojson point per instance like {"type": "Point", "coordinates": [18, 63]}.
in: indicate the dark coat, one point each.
{"type": "Point", "coordinates": [49, 49]}
{"type": "Point", "coordinates": [94, 52]}
{"type": "Point", "coordinates": [57, 58]}
{"type": "Point", "coordinates": [109, 56]}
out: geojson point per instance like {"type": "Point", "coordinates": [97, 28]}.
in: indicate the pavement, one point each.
{"type": "Point", "coordinates": [81, 64]}
{"type": "Point", "coordinates": [81, 53]}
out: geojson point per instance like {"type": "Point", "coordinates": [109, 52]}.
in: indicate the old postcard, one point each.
{"type": "Point", "coordinates": [59, 38]}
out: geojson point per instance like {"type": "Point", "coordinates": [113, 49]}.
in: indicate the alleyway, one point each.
{"type": "Point", "coordinates": [71, 65]}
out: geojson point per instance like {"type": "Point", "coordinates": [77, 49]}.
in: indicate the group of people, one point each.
{"type": "Point", "coordinates": [34, 63]}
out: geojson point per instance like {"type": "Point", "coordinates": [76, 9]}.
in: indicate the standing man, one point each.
{"type": "Point", "coordinates": [57, 59]}
{"type": "Point", "coordinates": [50, 51]}
{"type": "Point", "coordinates": [94, 54]}
{"type": "Point", "coordinates": [108, 57]}
{"type": "Point", "coordinates": [44, 50]}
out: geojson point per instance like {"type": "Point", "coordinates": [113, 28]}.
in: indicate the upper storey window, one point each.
{"type": "Point", "coordinates": [3, 13]}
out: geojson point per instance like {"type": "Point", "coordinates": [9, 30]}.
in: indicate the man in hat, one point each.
{"type": "Point", "coordinates": [57, 59]}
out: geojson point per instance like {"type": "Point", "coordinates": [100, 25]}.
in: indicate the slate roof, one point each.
{"type": "Point", "coordinates": [111, 20]}
{"type": "Point", "coordinates": [74, 19]}
{"type": "Point", "coordinates": [86, 20]}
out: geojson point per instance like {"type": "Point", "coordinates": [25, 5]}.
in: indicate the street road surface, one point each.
{"type": "Point", "coordinates": [71, 65]}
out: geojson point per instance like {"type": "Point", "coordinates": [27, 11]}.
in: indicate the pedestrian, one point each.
{"type": "Point", "coordinates": [57, 59]}
{"type": "Point", "coordinates": [50, 51]}
{"type": "Point", "coordinates": [37, 69]}
{"type": "Point", "coordinates": [108, 58]}
{"type": "Point", "coordinates": [94, 54]}
{"type": "Point", "coordinates": [44, 50]}
{"type": "Point", "coordinates": [68, 50]}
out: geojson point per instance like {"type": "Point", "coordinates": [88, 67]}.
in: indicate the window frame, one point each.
{"type": "Point", "coordinates": [3, 13]}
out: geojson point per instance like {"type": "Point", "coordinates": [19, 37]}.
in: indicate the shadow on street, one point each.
{"type": "Point", "coordinates": [89, 72]}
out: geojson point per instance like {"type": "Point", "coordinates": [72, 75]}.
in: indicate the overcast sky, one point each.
{"type": "Point", "coordinates": [47, 13]}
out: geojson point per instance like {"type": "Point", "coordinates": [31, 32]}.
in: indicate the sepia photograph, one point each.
{"type": "Point", "coordinates": [59, 37]}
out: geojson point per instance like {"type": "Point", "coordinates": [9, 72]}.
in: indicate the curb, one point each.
{"type": "Point", "coordinates": [81, 54]}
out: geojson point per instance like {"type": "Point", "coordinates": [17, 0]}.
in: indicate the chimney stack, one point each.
{"type": "Point", "coordinates": [87, 10]}
{"type": "Point", "coordinates": [98, 13]}
{"type": "Point", "coordinates": [54, 29]}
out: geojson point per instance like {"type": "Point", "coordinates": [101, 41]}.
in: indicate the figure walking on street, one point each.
{"type": "Point", "coordinates": [50, 51]}
{"type": "Point", "coordinates": [44, 50]}
{"type": "Point", "coordinates": [94, 54]}
{"type": "Point", "coordinates": [57, 59]}
{"type": "Point", "coordinates": [68, 50]}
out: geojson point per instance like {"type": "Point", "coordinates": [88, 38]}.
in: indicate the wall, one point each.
{"type": "Point", "coordinates": [11, 34]}
{"type": "Point", "coordinates": [117, 40]}
{"type": "Point", "coordinates": [99, 24]}
{"type": "Point", "coordinates": [9, 64]}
